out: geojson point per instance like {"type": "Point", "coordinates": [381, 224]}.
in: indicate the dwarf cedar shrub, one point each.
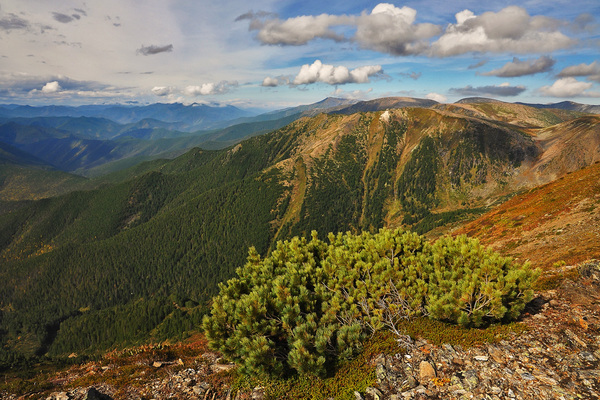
{"type": "Point", "coordinates": [310, 304]}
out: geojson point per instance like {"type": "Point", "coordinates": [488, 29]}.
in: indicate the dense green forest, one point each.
{"type": "Point", "coordinates": [139, 257]}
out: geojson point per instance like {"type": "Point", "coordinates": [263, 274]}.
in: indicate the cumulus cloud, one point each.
{"type": "Point", "coordinates": [295, 31]}
{"type": "Point", "coordinates": [502, 90]}
{"type": "Point", "coordinates": [392, 30]}
{"type": "Point", "coordinates": [440, 98]}
{"type": "Point", "coordinates": [592, 71]}
{"type": "Point", "coordinates": [51, 87]}
{"type": "Point", "coordinates": [210, 88]}
{"type": "Point", "coordinates": [386, 28]}
{"type": "Point", "coordinates": [569, 87]}
{"type": "Point", "coordinates": [521, 68]}
{"type": "Point", "coordinates": [162, 91]}
{"type": "Point", "coordinates": [511, 29]}
{"type": "Point", "coordinates": [276, 81]}
{"type": "Point", "coordinates": [332, 75]}
{"type": "Point", "coordinates": [151, 50]}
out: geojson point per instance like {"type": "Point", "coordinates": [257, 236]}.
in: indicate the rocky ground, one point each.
{"type": "Point", "coordinates": [556, 357]}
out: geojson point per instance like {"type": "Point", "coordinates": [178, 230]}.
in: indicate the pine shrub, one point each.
{"type": "Point", "coordinates": [309, 304]}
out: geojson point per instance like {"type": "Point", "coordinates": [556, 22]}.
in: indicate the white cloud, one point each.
{"type": "Point", "coordinates": [387, 29]}
{"type": "Point", "coordinates": [275, 81]}
{"type": "Point", "coordinates": [569, 87]}
{"type": "Point", "coordinates": [210, 88]}
{"type": "Point", "coordinates": [51, 87]}
{"type": "Point", "coordinates": [521, 68]}
{"type": "Point", "coordinates": [161, 90]}
{"type": "Point", "coordinates": [392, 30]}
{"type": "Point", "coordinates": [440, 98]}
{"type": "Point", "coordinates": [511, 29]}
{"type": "Point", "coordinates": [332, 75]}
{"type": "Point", "coordinates": [592, 71]}
{"type": "Point", "coordinates": [298, 30]}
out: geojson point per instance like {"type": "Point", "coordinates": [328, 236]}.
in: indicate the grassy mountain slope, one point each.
{"type": "Point", "coordinates": [559, 221]}
{"type": "Point", "coordinates": [170, 230]}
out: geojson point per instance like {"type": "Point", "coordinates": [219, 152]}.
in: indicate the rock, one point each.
{"type": "Point", "coordinates": [380, 373]}
{"type": "Point", "coordinates": [358, 396]}
{"type": "Point", "coordinates": [201, 388]}
{"type": "Point", "coordinates": [527, 376]}
{"type": "Point", "coordinates": [575, 338]}
{"type": "Point", "coordinates": [157, 364]}
{"type": "Point", "coordinates": [587, 356]}
{"type": "Point", "coordinates": [426, 371]}
{"type": "Point", "coordinates": [374, 393]}
{"type": "Point", "coordinates": [407, 384]}
{"type": "Point", "coordinates": [481, 358]}
{"type": "Point", "coordinates": [59, 396]}
{"type": "Point", "coordinates": [94, 394]}
{"type": "Point", "coordinates": [258, 393]}
{"type": "Point", "coordinates": [470, 379]}
{"type": "Point", "coordinates": [222, 367]}
{"type": "Point", "coordinates": [496, 354]}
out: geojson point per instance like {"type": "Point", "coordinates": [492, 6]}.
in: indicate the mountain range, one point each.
{"type": "Point", "coordinates": [154, 239]}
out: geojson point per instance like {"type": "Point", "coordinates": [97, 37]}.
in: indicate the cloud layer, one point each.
{"type": "Point", "coordinates": [503, 90]}
{"type": "Point", "coordinates": [521, 68]}
{"type": "Point", "coordinates": [511, 29]}
{"type": "Point", "coordinates": [393, 30]}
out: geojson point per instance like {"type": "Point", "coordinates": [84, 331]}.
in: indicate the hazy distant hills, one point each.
{"type": "Point", "coordinates": [184, 117]}
{"type": "Point", "coordinates": [568, 105]}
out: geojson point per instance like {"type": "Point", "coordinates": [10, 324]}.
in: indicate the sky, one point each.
{"type": "Point", "coordinates": [269, 54]}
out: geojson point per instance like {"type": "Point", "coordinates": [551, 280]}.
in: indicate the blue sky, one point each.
{"type": "Point", "coordinates": [273, 54]}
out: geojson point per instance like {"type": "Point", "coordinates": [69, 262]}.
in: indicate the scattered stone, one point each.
{"type": "Point", "coordinates": [470, 379]}
{"type": "Point", "coordinates": [201, 388]}
{"type": "Point", "coordinates": [358, 396]}
{"type": "Point", "coordinates": [481, 358]}
{"type": "Point", "coordinates": [575, 338]}
{"type": "Point", "coordinates": [426, 371]}
{"type": "Point", "coordinates": [587, 356]}
{"type": "Point", "coordinates": [258, 393]}
{"type": "Point", "coordinates": [157, 364]}
{"type": "Point", "coordinates": [59, 396]}
{"type": "Point", "coordinates": [374, 393]}
{"type": "Point", "coordinates": [222, 367]}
